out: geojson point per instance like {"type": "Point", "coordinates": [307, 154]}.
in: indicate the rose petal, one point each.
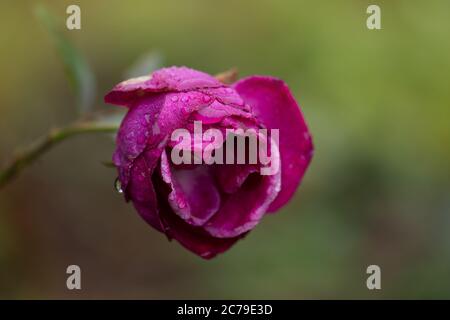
{"type": "Point", "coordinates": [194, 195]}
{"type": "Point", "coordinates": [167, 79]}
{"type": "Point", "coordinates": [232, 176]}
{"type": "Point", "coordinates": [140, 190]}
{"type": "Point", "coordinates": [149, 125]}
{"type": "Point", "coordinates": [242, 210]}
{"type": "Point", "coordinates": [226, 95]}
{"type": "Point", "coordinates": [273, 104]}
{"type": "Point", "coordinates": [134, 133]}
{"type": "Point", "coordinates": [216, 112]}
{"type": "Point", "coordinates": [193, 238]}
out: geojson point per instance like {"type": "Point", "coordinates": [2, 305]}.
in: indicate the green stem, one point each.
{"type": "Point", "coordinates": [27, 155]}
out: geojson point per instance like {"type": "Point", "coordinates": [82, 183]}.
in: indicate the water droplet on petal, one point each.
{"type": "Point", "coordinates": [181, 204]}
{"type": "Point", "coordinates": [185, 98]}
{"type": "Point", "coordinates": [306, 135]}
{"type": "Point", "coordinates": [118, 185]}
{"type": "Point", "coordinates": [206, 98]}
{"type": "Point", "coordinates": [206, 254]}
{"type": "Point", "coordinates": [142, 176]}
{"type": "Point", "coordinates": [174, 98]}
{"type": "Point", "coordinates": [155, 129]}
{"type": "Point", "coordinates": [147, 117]}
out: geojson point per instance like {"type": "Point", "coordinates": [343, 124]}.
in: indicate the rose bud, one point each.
{"type": "Point", "coordinates": [207, 205]}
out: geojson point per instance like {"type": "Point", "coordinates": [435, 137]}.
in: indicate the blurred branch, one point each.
{"type": "Point", "coordinates": [27, 155]}
{"type": "Point", "coordinates": [228, 76]}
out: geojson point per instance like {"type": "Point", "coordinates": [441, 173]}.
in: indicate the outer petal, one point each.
{"type": "Point", "coordinates": [193, 238]}
{"type": "Point", "coordinates": [217, 111]}
{"type": "Point", "coordinates": [149, 123]}
{"type": "Point", "coordinates": [227, 96]}
{"type": "Point", "coordinates": [141, 191]}
{"type": "Point", "coordinates": [196, 239]}
{"type": "Point", "coordinates": [134, 134]}
{"type": "Point", "coordinates": [154, 208]}
{"type": "Point", "coordinates": [166, 79]}
{"type": "Point", "coordinates": [273, 104]}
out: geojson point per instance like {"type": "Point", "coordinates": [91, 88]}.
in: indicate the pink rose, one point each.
{"type": "Point", "coordinates": [205, 207]}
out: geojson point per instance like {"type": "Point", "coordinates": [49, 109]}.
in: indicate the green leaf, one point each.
{"type": "Point", "coordinates": [145, 65]}
{"type": "Point", "coordinates": [108, 164]}
{"type": "Point", "coordinates": [78, 72]}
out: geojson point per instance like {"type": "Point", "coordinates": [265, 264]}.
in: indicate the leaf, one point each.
{"type": "Point", "coordinates": [78, 72]}
{"type": "Point", "coordinates": [228, 77]}
{"type": "Point", "coordinates": [145, 65]}
{"type": "Point", "coordinates": [108, 164]}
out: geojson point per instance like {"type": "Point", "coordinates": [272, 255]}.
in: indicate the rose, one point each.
{"type": "Point", "coordinates": [205, 207]}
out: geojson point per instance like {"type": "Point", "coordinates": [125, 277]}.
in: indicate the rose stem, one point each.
{"type": "Point", "coordinates": [27, 155]}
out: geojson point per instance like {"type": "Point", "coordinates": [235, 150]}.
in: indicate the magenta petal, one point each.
{"type": "Point", "coordinates": [150, 123]}
{"type": "Point", "coordinates": [273, 104]}
{"type": "Point", "coordinates": [183, 78]}
{"type": "Point", "coordinates": [232, 176]}
{"type": "Point", "coordinates": [225, 95]}
{"type": "Point", "coordinates": [194, 196]}
{"type": "Point", "coordinates": [134, 133]}
{"type": "Point", "coordinates": [217, 111]}
{"type": "Point", "coordinates": [136, 127]}
{"type": "Point", "coordinates": [194, 238]}
{"type": "Point", "coordinates": [140, 190]}
{"type": "Point", "coordinates": [166, 79]}
{"type": "Point", "coordinates": [242, 210]}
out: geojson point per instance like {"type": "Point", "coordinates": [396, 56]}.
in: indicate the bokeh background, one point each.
{"type": "Point", "coordinates": [377, 191]}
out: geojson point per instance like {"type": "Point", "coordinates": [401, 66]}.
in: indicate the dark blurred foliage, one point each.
{"type": "Point", "coordinates": [377, 192]}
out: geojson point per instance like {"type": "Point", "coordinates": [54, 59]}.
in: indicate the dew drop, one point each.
{"type": "Point", "coordinates": [181, 204]}
{"type": "Point", "coordinates": [155, 129]}
{"type": "Point", "coordinates": [142, 176]}
{"type": "Point", "coordinates": [174, 98]}
{"type": "Point", "coordinates": [118, 185]}
{"type": "Point", "coordinates": [206, 254]}
{"type": "Point", "coordinates": [185, 98]}
{"type": "Point", "coordinates": [306, 136]}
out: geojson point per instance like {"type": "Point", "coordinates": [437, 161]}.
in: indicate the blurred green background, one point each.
{"type": "Point", "coordinates": [377, 191]}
